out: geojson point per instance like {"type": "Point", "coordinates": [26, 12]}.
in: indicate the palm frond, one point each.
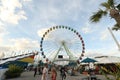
{"type": "Point", "coordinates": [106, 5]}
{"type": "Point", "coordinates": [118, 7]}
{"type": "Point", "coordinates": [111, 3]}
{"type": "Point", "coordinates": [116, 27]}
{"type": "Point", "coordinates": [98, 15]}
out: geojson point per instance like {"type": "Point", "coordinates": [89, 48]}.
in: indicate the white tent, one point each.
{"type": "Point", "coordinates": [13, 58]}
{"type": "Point", "coordinates": [107, 59]}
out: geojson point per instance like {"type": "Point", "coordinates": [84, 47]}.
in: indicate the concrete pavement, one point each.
{"type": "Point", "coordinates": [29, 76]}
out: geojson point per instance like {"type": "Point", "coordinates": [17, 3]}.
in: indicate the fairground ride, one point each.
{"type": "Point", "coordinates": [64, 41]}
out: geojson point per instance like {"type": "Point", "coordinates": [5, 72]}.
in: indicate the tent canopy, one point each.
{"type": "Point", "coordinates": [88, 60]}
{"type": "Point", "coordinates": [29, 59]}
{"type": "Point", "coordinates": [18, 63]}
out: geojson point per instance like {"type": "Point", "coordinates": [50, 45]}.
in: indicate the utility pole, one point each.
{"type": "Point", "coordinates": [114, 38]}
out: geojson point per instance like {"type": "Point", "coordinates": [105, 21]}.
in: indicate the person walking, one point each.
{"type": "Point", "coordinates": [35, 71]}
{"type": "Point", "coordinates": [39, 70]}
{"type": "Point", "coordinates": [63, 73]}
{"type": "Point", "coordinates": [45, 72]}
{"type": "Point", "coordinates": [53, 74]}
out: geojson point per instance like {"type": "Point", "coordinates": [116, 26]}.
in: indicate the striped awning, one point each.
{"type": "Point", "coordinates": [29, 59]}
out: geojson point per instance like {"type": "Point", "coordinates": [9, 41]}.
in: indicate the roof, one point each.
{"type": "Point", "coordinates": [107, 59]}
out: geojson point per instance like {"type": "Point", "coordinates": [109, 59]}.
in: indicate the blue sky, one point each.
{"type": "Point", "coordinates": [22, 23]}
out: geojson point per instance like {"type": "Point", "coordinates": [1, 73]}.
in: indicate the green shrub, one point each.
{"type": "Point", "coordinates": [13, 71]}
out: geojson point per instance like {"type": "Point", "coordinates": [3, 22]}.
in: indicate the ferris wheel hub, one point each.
{"type": "Point", "coordinates": [63, 42]}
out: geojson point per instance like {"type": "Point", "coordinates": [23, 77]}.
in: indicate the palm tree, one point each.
{"type": "Point", "coordinates": [109, 9]}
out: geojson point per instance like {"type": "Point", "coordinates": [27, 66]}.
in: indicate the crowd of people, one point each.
{"type": "Point", "coordinates": [44, 71]}
{"type": "Point", "coordinates": [48, 72]}
{"type": "Point", "coordinates": [64, 71]}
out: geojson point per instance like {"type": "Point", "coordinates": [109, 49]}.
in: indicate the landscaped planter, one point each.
{"type": "Point", "coordinates": [12, 75]}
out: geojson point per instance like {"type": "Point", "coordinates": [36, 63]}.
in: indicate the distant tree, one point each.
{"type": "Point", "coordinates": [110, 8]}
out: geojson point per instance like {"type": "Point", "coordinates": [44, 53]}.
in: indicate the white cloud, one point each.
{"type": "Point", "coordinates": [105, 35]}
{"type": "Point", "coordinates": [5, 48]}
{"type": "Point", "coordinates": [54, 13]}
{"type": "Point", "coordinates": [86, 30]}
{"type": "Point", "coordinates": [3, 32]}
{"type": "Point", "coordinates": [2, 29]}
{"type": "Point", "coordinates": [61, 12]}
{"type": "Point", "coordinates": [41, 32]}
{"type": "Point", "coordinates": [1, 40]}
{"type": "Point", "coordinates": [24, 44]}
{"type": "Point", "coordinates": [11, 11]}
{"type": "Point", "coordinates": [19, 44]}
{"type": "Point", "coordinates": [27, 0]}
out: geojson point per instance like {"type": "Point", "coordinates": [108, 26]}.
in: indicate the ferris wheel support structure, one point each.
{"type": "Point", "coordinates": [71, 56]}
{"type": "Point", "coordinates": [68, 52]}
{"type": "Point", "coordinates": [56, 54]}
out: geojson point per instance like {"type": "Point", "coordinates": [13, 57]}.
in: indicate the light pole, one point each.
{"type": "Point", "coordinates": [114, 38]}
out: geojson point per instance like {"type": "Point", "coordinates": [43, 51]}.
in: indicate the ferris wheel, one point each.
{"type": "Point", "coordinates": [62, 40]}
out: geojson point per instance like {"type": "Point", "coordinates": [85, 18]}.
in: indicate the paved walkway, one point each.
{"type": "Point", "coordinates": [29, 76]}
